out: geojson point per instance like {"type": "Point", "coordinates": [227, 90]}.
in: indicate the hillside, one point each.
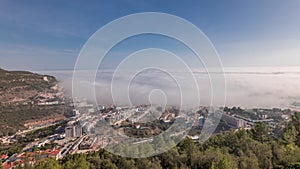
{"type": "Point", "coordinates": [22, 86]}
{"type": "Point", "coordinates": [28, 99]}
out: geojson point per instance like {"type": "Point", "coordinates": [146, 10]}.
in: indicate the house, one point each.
{"type": "Point", "coordinates": [137, 126]}
{"type": "Point", "coordinates": [4, 157]}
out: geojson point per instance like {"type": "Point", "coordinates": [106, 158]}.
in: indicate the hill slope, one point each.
{"type": "Point", "coordinates": [22, 86]}
{"type": "Point", "coordinates": [28, 99]}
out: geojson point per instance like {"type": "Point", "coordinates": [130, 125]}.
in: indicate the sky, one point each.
{"type": "Point", "coordinates": [48, 35]}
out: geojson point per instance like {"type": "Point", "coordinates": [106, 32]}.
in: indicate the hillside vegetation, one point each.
{"type": "Point", "coordinates": [22, 86]}
{"type": "Point", "coordinates": [21, 97]}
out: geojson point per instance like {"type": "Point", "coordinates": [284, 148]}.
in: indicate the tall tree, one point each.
{"type": "Point", "coordinates": [296, 120]}
{"type": "Point", "coordinates": [81, 163]}
{"type": "Point", "coordinates": [260, 132]}
{"type": "Point", "coordinates": [290, 135]}
{"type": "Point", "coordinates": [225, 163]}
{"type": "Point", "coordinates": [296, 123]}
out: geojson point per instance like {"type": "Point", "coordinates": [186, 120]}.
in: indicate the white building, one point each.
{"type": "Point", "coordinates": [233, 122]}
{"type": "Point", "coordinates": [73, 131]}
{"type": "Point", "coordinates": [69, 131]}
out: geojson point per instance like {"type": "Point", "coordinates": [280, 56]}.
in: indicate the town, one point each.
{"type": "Point", "coordinates": [87, 129]}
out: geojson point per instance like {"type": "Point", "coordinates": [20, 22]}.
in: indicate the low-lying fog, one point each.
{"type": "Point", "coordinates": [245, 87]}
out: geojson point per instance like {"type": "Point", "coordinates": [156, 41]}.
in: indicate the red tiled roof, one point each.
{"type": "Point", "coordinates": [7, 165]}
{"type": "Point", "coordinates": [55, 152]}
{"type": "Point", "coordinates": [52, 152]}
{"type": "Point", "coordinates": [4, 156]}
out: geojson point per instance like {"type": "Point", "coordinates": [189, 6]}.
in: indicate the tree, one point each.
{"type": "Point", "coordinates": [95, 162]}
{"type": "Point", "coordinates": [208, 156]}
{"type": "Point", "coordinates": [126, 164]}
{"type": "Point", "coordinates": [260, 132]}
{"type": "Point", "coordinates": [294, 166]}
{"type": "Point", "coordinates": [248, 162]}
{"type": "Point", "coordinates": [170, 159]}
{"type": "Point", "coordinates": [188, 147]}
{"type": "Point", "coordinates": [226, 109]}
{"type": "Point", "coordinates": [69, 164]}
{"type": "Point", "coordinates": [49, 164]}
{"type": "Point", "coordinates": [264, 155]}
{"type": "Point", "coordinates": [108, 164]}
{"type": "Point", "coordinates": [142, 163]}
{"type": "Point", "coordinates": [290, 135]}
{"type": "Point", "coordinates": [224, 163]}
{"type": "Point", "coordinates": [213, 166]}
{"type": "Point", "coordinates": [81, 163]}
{"type": "Point", "coordinates": [155, 164]}
{"type": "Point", "coordinates": [296, 123]}
{"type": "Point", "coordinates": [296, 120]}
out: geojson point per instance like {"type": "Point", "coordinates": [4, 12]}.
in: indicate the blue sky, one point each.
{"type": "Point", "coordinates": [48, 35]}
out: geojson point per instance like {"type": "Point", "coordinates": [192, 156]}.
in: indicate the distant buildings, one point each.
{"type": "Point", "coordinates": [137, 126]}
{"type": "Point", "coordinates": [69, 131]}
{"type": "Point", "coordinates": [87, 143]}
{"type": "Point", "coordinates": [77, 131]}
{"type": "Point", "coordinates": [32, 157]}
{"type": "Point", "coordinates": [167, 116]}
{"type": "Point", "coordinates": [73, 131]}
{"type": "Point", "coordinates": [91, 110]}
{"type": "Point", "coordinates": [75, 112]}
{"type": "Point", "coordinates": [201, 121]}
{"type": "Point", "coordinates": [233, 121]}
{"type": "Point", "coordinates": [87, 127]}
{"type": "Point", "coordinates": [45, 78]}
